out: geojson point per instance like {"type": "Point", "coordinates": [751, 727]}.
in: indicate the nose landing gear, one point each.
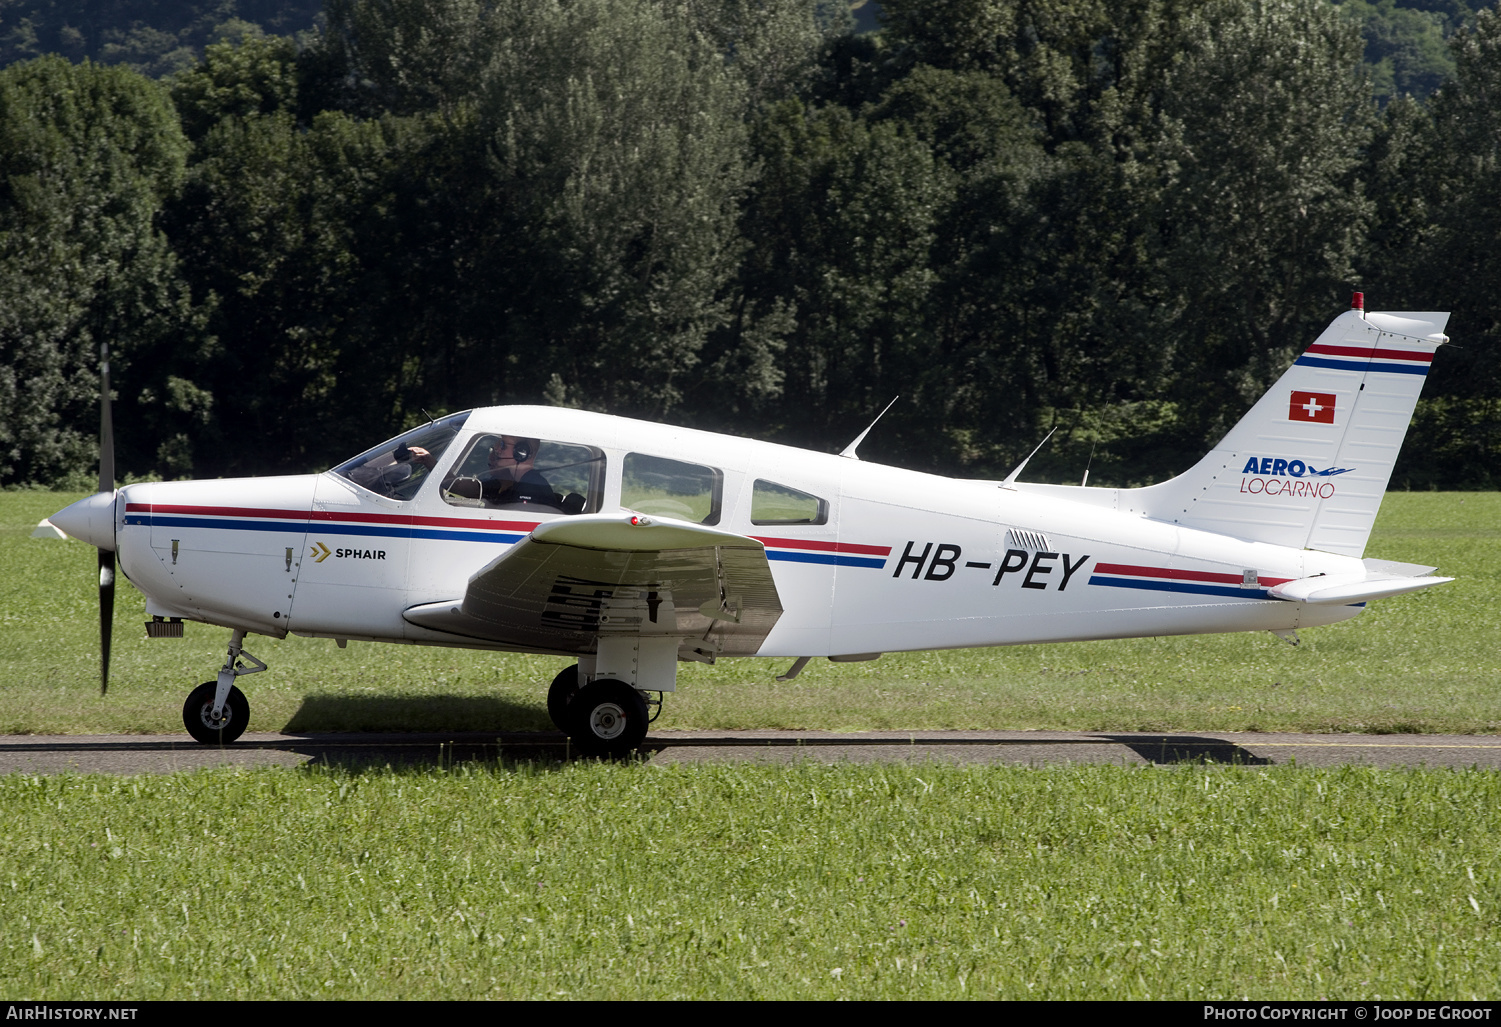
{"type": "Point", "coordinates": [205, 725]}
{"type": "Point", "coordinates": [216, 712]}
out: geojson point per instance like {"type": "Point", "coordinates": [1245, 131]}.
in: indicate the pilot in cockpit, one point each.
{"type": "Point", "coordinates": [511, 476]}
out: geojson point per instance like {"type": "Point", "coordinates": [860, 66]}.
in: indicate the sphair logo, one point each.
{"type": "Point", "coordinates": [320, 552]}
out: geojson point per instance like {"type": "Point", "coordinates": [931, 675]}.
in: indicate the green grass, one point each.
{"type": "Point", "coordinates": [604, 881]}
{"type": "Point", "coordinates": [1428, 662]}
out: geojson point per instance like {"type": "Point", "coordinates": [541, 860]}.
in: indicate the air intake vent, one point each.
{"type": "Point", "coordinates": [1035, 540]}
{"type": "Point", "coordinates": [156, 627]}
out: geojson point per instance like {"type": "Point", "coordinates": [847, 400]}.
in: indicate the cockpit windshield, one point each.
{"type": "Point", "coordinates": [399, 467]}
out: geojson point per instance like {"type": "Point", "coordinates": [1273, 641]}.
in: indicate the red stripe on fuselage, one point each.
{"type": "Point", "coordinates": [1131, 570]}
{"type": "Point", "coordinates": [216, 511]}
{"type": "Point", "coordinates": [331, 516]}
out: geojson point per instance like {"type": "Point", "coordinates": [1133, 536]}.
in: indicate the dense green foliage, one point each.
{"type": "Point", "coordinates": [1119, 218]}
{"type": "Point", "coordinates": [154, 37]}
{"type": "Point", "coordinates": [88, 157]}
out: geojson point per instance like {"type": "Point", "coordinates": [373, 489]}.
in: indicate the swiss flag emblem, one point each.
{"type": "Point", "coordinates": [1312, 406]}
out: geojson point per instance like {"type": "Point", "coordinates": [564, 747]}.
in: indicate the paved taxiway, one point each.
{"type": "Point", "coordinates": [146, 754]}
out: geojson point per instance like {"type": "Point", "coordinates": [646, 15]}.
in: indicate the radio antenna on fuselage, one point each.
{"type": "Point", "coordinates": [849, 450]}
{"type": "Point", "coordinates": [1088, 463]}
{"type": "Point", "coordinates": [1010, 479]}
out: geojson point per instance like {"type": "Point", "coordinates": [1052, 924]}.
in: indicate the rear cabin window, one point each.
{"type": "Point", "coordinates": [671, 488]}
{"type": "Point", "coordinates": [780, 504]}
{"type": "Point", "coordinates": [517, 472]}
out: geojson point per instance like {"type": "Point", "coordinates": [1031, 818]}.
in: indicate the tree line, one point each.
{"type": "Point", "coordinates": [1122, 219]}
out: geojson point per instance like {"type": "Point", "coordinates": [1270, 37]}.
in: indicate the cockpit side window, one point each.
{"type": "Point", "coordinates": [671, 488]}
{"type": "Point", "coordinates": [781, 504]}
{"type": "Point", "coordinates": [499, 471]}
{"type": "Point", "coordinates": [398, 468]}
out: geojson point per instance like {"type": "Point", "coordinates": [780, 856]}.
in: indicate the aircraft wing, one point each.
{"type": "Point", "coordinates": [576, 578]}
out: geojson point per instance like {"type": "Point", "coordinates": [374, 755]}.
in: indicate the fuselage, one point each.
{"type": "Point", "coordinates": [866, 558]}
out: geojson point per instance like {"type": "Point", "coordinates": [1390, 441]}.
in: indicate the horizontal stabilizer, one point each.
{"type": "Point", "coordinates": [1393, 569]}
{"type": "Point", "coordinates": [1334, 590]}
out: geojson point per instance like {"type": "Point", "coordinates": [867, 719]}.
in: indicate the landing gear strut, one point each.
{"type": "Point", "coordinates": [217, 712]}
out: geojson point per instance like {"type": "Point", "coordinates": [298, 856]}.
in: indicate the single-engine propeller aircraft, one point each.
{"type": "Point", "coordinates": [632, 546]}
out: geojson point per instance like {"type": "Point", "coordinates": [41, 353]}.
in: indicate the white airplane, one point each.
{"type": "Point", "coordinates": [632, 546]}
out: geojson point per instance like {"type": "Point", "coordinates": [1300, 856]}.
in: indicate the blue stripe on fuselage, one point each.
{"type": "Point", "coordinates": [1228, 591]}
{"type": "Point", "coordinates": [329, 528]}
{"type": "Point", "coordinates": [838, 560]}
{"type": "Point", "coordinates": [159, 521]}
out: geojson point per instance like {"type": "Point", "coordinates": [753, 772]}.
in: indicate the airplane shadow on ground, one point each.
{"type": "Point", "coordinates": [444, 731]}
{"type": "Point", "coordinates": [435, 749]}
{"type": "Point", "coordinates": [397, 753]}
{"type": "Point", "coordinates": [408, 731]}
{"type": "Point", "coordinates": [412, 713]}
{"type": "Point", "coordinates": [316, 741]}
{"type": "Point", "coordinates": [1165, 750]}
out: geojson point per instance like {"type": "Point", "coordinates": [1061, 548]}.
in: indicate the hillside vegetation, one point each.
{"type": "Point", "coordinates": [1122, 219]}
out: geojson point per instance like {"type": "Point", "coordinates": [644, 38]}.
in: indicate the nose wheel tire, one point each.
{"type": "Point", "coordinates": [564, 687]}
{"type": "Point", "coordinates": [198, 715]}
{"type": "Point", "coordinates": [607, 718]}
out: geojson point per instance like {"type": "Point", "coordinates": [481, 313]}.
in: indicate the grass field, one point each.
{"type": "Point", "coordinates": [617, 881]}
{"type": "Point", "coordinates": [603, 881]}
{"type": "Point", "coordinates": [1428, 662]}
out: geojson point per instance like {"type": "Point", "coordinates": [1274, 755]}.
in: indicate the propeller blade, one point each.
{"type": "Point", "coordinates": [106, 425]}
{"type": "Point", "coordinates": [106, 615]}
{"type": "Point", "coordinates": [106, 484]}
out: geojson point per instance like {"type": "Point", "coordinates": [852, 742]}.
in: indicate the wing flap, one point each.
{"type": "Point", "coordinates": [574, 579]}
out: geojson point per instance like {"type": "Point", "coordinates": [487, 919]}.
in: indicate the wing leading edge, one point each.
{"type": "Point", "coordinates": [572, 580]}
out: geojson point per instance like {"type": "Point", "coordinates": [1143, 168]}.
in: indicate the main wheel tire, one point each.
{"type": "Point", "coordinates": [607, 718]}
{"type": "Point", "coordinates": [198, 715]}
{"type": "Point", "coordinates": [560, 693]}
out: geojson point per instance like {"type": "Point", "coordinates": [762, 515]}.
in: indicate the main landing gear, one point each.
{"type": "Point", "coordinates": [217, 712]}
{"type": "Point", "coordinates": [603, 717]}
{"type": "Point", "coordinates": [603, 710]}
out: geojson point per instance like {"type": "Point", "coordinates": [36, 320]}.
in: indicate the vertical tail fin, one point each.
{"type": "Point", "coordinates": [1308, 465]}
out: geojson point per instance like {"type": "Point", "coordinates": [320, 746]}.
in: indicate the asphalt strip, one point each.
{"type": "Point", "coordinates": [148, 754]}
